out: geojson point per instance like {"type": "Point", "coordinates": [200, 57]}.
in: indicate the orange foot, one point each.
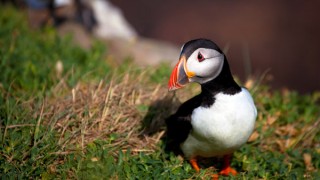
{"type": "Point", "coordinates": [226, 171]}
{"type": "Point", "coordinates": [194, 164]}
{"type": "Point", "coordinates": [215, 177]}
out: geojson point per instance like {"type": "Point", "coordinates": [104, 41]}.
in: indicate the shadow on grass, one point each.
{"type": "Point", "coordinates": [155, 121]}
{"type": "Point", "coordinates": [158, 111]}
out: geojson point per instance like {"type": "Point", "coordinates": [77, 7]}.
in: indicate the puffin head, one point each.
{"type": "Point", "coordinates": [200, 61]}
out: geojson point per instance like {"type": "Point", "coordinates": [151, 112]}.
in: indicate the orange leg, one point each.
{"type": "Point", "coordinates": [194, 164]}
{"type": "Point", "coordinates": [226, 169]}
{"type": "Point", "coordinates": [215, 177]}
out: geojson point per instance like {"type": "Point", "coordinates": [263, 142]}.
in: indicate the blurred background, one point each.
{"type": "Point", "coordinates": [277, 38]}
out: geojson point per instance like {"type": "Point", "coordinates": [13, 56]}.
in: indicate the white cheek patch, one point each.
{"type": "Point", "coordinates": [209, 68]}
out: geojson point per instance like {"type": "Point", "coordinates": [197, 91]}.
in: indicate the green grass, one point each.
{"type": "Point", "coordinates": [45, 134]}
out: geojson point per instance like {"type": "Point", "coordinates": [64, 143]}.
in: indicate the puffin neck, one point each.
{"type": "Point", "coordinates": [224, 83]}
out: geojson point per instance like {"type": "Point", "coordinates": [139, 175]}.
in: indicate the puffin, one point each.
{"type": "Point", "coordinates": [220, 119]}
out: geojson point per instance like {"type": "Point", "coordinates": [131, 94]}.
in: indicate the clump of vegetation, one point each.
{"type": "Point", "coordinates": [69, 113]}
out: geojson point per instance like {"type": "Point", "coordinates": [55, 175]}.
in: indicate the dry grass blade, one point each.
{"type": "Point", "coordinates": [36, 131]}
{"type": "Point", "coordinates": [17, 126]}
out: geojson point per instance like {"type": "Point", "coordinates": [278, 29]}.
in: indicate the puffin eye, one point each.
{"type": "Point", "coordinates": [200, 57]}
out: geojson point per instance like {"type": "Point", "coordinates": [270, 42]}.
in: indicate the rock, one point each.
{"type": "Point", "coordinates": [143, 51]}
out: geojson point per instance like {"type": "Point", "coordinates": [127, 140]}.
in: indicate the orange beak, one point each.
{"type": "Point", "coordinates": [180, 75]}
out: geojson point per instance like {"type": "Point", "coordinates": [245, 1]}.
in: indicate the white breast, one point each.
{"type": "Point", "coordinates": [221, 128]}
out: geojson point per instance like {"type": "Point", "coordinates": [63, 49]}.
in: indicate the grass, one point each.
{"type": "Point", "coordinates": [69, 113]}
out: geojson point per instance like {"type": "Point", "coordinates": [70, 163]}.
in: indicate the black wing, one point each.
{"type": "Point", "coordinates": [179, 124]}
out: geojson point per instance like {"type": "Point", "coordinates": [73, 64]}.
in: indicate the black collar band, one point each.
{"type": "Point", "coordinates": [224, 82]}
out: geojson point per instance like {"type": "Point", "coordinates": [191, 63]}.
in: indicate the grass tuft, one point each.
{"type": "Point", "coordinates": [104, 111]}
